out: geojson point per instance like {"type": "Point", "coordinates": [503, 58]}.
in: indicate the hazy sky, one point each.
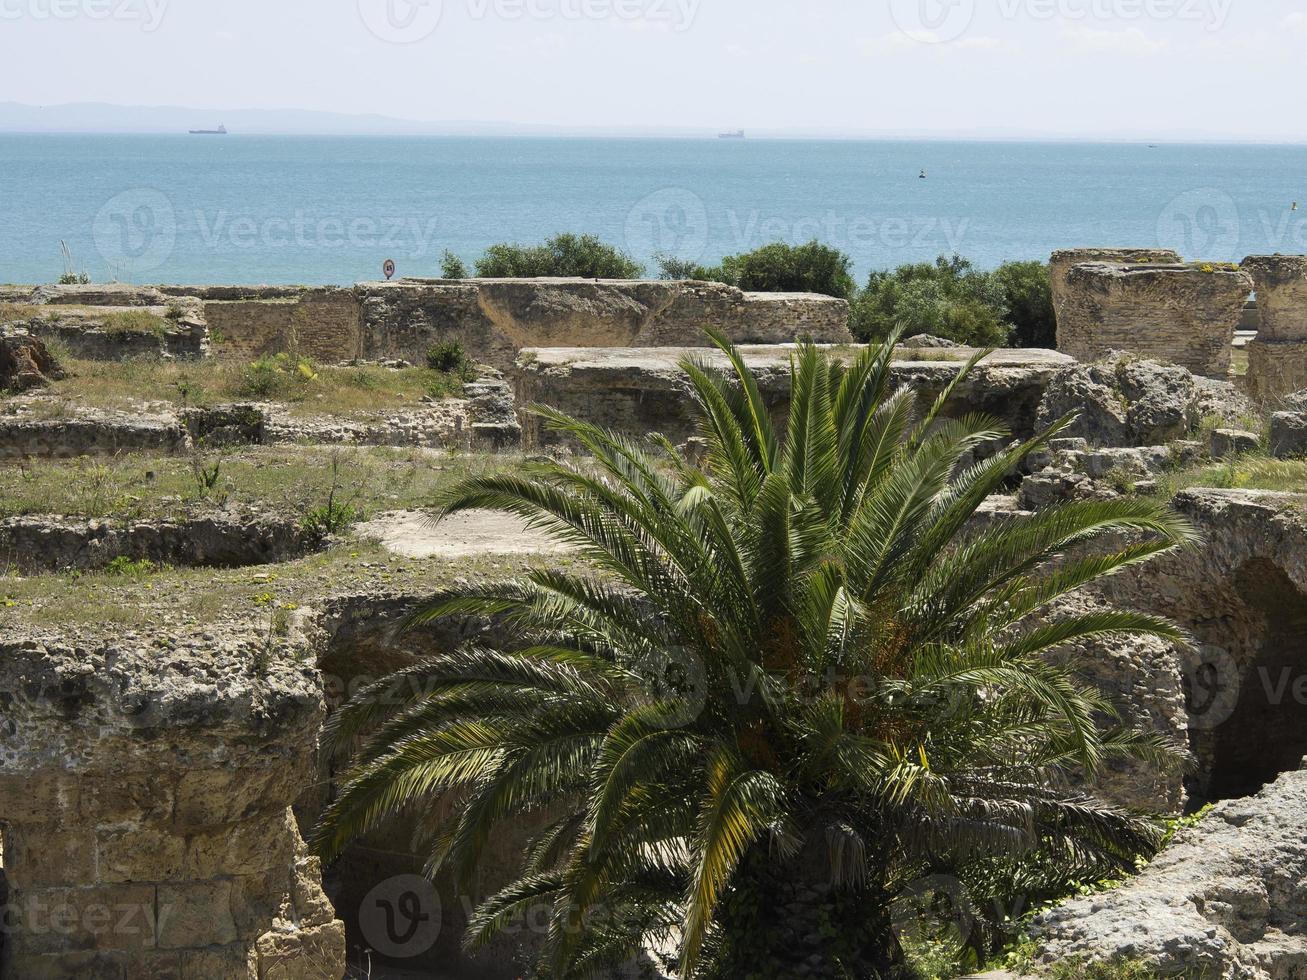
{"type": "Point", "coordinates": [1153, 68]}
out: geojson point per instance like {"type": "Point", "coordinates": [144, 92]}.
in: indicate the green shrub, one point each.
{"type": "Point", "coordinates": [448, 357]}
{"type": "Point", "coordinates": [452, 267]}
{"type": "Point", "coordinates": [279, 376]}
{"type": "Point", "coordinates": [949, 298]}
{"type": "Point", "coordinates": [1028, 294]}
{"type": "Point", "coordinates": [583, 256]}
{"type": "Point", "coordinates": [775, 268]}
{"type": "Point", "coordinates": [331, 518]}
{"type": "Point", "coordinates": [131, 567]}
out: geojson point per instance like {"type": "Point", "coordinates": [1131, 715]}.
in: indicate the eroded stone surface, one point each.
{"type": "Point", "coordinates": [1225, 901]}
{"type": "Point", "coordinates": [144, 800]}
{"type": "Point", "coordinates": [1184, 314]}
{"type": "Point", "coordinates": [25, 362]}
{"type": "Point", "coordinates": [638, 391]}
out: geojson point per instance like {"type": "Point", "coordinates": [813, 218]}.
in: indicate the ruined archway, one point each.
{"type": "Point", "coordinates": [1265, 733]}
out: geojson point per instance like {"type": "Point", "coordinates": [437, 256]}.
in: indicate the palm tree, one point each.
{"type": "Point", "coordinates": [791, 680]}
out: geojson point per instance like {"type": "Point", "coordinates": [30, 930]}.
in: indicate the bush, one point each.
{"type": "Point", "coordinates": [1028, 293]}
{"type": "Point", "coordinates": [775, 268]}
{"type": "Point", "coordinates": [583, 256]}
{"type": "Point", "coordinates": [949, 298]}
{"type": "Point", "coordinates": [279, 376]}
{"type": "Point", "coordinates": [452, 267]}
{"type": "Point", "coordinates": [448, 357]}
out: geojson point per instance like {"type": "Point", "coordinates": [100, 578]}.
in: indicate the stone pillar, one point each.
{"type": "Point", "coordinates": [1277, 358]}
{"type": "Point", "coordinates": [1182, 314]}
{"type": "Point", "coordinates": [144, 808]}
{"type": "Point", "coordinates": [1064, 260]}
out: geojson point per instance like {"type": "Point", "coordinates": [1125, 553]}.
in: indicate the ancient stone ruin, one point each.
{"type": "Point", "coordinates": [1277, 357]}
{"type": "Point", "coordinates": [168, 652]}
{"type": "Point", "coordinates": [1185, 314]}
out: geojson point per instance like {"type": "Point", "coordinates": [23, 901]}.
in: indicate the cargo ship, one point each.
{"type": "Point", "coordinates": [220, 131]}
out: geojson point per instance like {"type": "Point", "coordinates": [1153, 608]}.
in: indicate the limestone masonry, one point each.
{"type": "Point", "coordinates": [1186, 314]}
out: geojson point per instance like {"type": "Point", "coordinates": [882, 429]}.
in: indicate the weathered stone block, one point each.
{"type": "Point", "coordinates": [1281, 283]}
{"type": "Point", "coordinates": [103, 918]}
{"type": "Point", "coordinates": [195, 914]}
{"type": "Point", "coordinates": [1184, 314]}
{"type": "Point", "coordinates": [301, 954]}
{"type": "Point", "coordinates": [495, 318]}
{"type": "Point", "coordinates": [1288, 435]}
{"type": "Point", "coordinates": [39, 800]}
{"type": "Point", "coordinates": [42, 856]}
{"type": "Point", "coordinates": [1064, 260]}
{"type": "Point", "coordinates": [1276, 368]}
{"type": "Point", "coordinates": [1233, 442]}
{"type": "Point", "coordinates": [145, 853]}
{"type": "Point", "coordinates": [251, 846]}
{"type": "Point", "coordinates": [637, 391]}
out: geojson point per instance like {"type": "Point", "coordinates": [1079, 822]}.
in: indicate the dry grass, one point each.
{"type": "Point", "coordinates": [1242, 473]}
{"type": "Point", "coordinates": [343, 391]}
{"type": "Point", "coordinates": [289, 479]}
{"type": "Point", "coordinates": [176, 599]}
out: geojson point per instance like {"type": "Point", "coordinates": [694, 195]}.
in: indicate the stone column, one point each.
{"type": "Point", "coordinates": [1064, 260]}
{"type": "Point", "coordinates": [1277, 358]}
{"type": "Point", "coordinates": [144, 808]}
{"type": "Point", "coordinates": [1182, 314]}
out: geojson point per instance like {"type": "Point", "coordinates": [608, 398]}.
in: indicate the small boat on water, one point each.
{"type": "Point", "coordinates": [737, 135]}
{"type": "Point", "coordinates": [220, 131]}
{"type": "Point", "coordinates": [922, 175]}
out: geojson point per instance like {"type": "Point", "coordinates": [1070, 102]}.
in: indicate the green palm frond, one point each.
{"type": "Point", "coordinates": [803, 659]}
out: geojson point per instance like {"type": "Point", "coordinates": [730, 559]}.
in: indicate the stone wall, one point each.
{"type": "Point", "coordinates": [323, 324]}
{"type": "Point", "coordinates": [144, 800]}
{"type": "Point", "coordinates": [1064, 260]}
{"type": "Point", "coordinates": [1185, 314]}
{"type": "Point", "coordinates": [228, 539]}
{"type": "Point", "coordinates": [640, 391]}
{"type": "Point", "coordinates": [495, 318]}
{"type": "Point", "coordinates": [1242, 592]}
{"type": "Point", "coordinates": [90, 434]}
{"type": "Point", "coordinates": [1277, 357]}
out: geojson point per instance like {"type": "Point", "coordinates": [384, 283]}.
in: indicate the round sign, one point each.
{"type": "Point", "coordinates": [389, 268]}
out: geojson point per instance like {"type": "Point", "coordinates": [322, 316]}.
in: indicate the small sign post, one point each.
{"type": "Point", "coordinates": [388, 268]}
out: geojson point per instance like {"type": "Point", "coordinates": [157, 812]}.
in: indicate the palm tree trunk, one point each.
{"type": "Point", "coordinates": [786, 920]}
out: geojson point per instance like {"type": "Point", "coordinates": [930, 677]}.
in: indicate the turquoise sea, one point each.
{"type": "Point", "coordinates": [246, 209]}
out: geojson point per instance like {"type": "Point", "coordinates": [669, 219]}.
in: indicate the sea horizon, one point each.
{"type": "Point", "coordinates": [245, 208]}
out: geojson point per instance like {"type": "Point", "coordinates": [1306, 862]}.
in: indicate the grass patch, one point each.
{"type": "Point", "coordinates": [306, 390]}
{"type": "Point", "coordinates": [124, 322]}
{"type": "Point", "coordinates": [172, 600]}
{"type": "Point", "coordinates": [19, 312]}
{"type": "Point", "coordinates": [1239, 473]}
{"type": "Point", "coordinates": [289, 479]}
